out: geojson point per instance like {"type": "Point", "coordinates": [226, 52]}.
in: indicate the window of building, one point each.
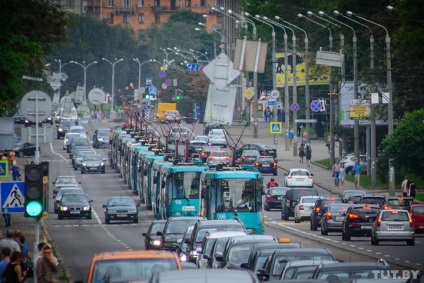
{"type": "Point", "coordinates": [110, 3]}
{"type": "Point", "coordinates": [110, 18]}
{"type": "Point", "coordinates": [219, 3]}
{"type": "Point", "coordinates": [125, 18]}
{"type": "Point", "coordinates": [156, 3]}
{"type": "Point", "coordinates": [188, 3]}
{"type": "Point", "coordinates": [141, 18]}
{"type": "Point", "coordinates": [157, 18]}
{"type": "Point", "coordinates": [125, 3]}
{"type": "Point", "coordinates": [203, 3]}
{"type": "Point", "coordinates": [140, 3]}
{"type": "Point", "coordinates": [219, 18]}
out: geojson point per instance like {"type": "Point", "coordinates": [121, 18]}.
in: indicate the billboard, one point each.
{"type": "Point", "coordinates": [318, 75]}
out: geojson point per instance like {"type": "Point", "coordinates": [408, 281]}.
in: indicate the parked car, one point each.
{"type": "Point", "coordinates": [121, 208]}
{"type": "Point", "coordinates": [74, 205]}
{"type": "Point", "coordinates": [393, 225]}
{"type": "Point", "coordinates": [26, 149]}
{"type": "Point", "coordinates": [217, 137]}
{"type": "Point", "coordinates": [298, 177]}
{"type": "Point", "coordinates": [358, 220]}
{"type": "Point", "coordinates": [304, 208]}
{"type": "Point", "coordinates": [263, 149]}
{"type": "Point", "coordinates": [153, 241]}
{"type": "Point", "coordinates": [274, 197]}
{"type": "Point", "coordinates": [348, 162]}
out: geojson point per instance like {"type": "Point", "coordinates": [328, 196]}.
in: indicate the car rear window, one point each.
{"type": "Point", "coordinates": [395, 216]}
{"type": "Point", "coordinates": [371, 200]}
{"type": "Point", "coordinates": [398, 202]}
{"type": "Point", "coordinates": [338, 208]}
{"type": "Point", "coordinates": [418, 210]}
{"type": "Point", "coordinates": [278, 191]}
{"type": "Point", "coordinates": [299, 173]}
{"type": "Point", "coordinates": [296, 193]}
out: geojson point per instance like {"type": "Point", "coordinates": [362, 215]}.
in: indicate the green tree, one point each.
{"type": "Point", "coordinates": [28, 31]}
{"type": "Point", "coordinates": [405, 144]}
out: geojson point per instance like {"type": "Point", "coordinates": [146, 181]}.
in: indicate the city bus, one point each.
{"type": "Point", "coordinates": [221, 193]}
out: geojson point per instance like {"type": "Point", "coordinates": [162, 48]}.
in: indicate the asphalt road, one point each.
{"type": "Point", "coordinates": [76, 240]}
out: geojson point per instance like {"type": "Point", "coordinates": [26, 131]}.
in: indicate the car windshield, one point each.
{"type": "Point", "coordinates": [78, 130]}
{"type": "Point", "coordinates": [74, 198]}
{"type": "Point", "coordinates": [157, 227]}
{"type": "Point", "coordinates": [92, 158]}
{"type": "Point", "coordinates": [395, 216]}
{"type": "Point", "coordinates": [219, 153]}
{"type": "Point", "coordinates": [179, 227]}
{"type": "Point", "coordinates": [67, 191]}
{"type": "Point", "coordinates": [204, 139]}
{"type": "Point", "coordinates": [282, 260]}
{"type": "Point", "coordinates": [103, 133]}
{"type": "Point", "coordinates": [347, 275]}
{"type": "Point", "coordinates": [70, 180]}
{"type": "Point", "coordinates": [120, 202]}
{"type": "Point", "coordinates": [278, 191]}
{"type": "Point", "coordinates": [130, 270]}
{"type": "Point", "coordinates": [66, 124]}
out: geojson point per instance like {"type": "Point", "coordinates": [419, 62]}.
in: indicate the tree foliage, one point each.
{"type": "Point", "coordinates": [405, 144]}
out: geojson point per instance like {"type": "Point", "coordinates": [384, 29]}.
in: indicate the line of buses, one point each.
{"type": "Point", "coordinates": [172, 188]}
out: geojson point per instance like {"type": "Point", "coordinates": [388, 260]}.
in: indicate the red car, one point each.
{"type": "Point", "coordinates": [417, 213]}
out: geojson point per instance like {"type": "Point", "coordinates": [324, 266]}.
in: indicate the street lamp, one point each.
{"type": "Point", "coordinates": [200, 54]}
{"type": "Point", "coordinates": [112, 111]}
{"type": "Point", "coordinates": [85, 74]}
{"type": "Point", "coordinates": [139, 69]}
{"type": "Point", "coordinates": [246, 20]}
{"type": "Point", "coordinates": [390, 91]}
{"type": "Point", "coordinates": [60, 68]}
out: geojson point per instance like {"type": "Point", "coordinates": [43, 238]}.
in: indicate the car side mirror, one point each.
{"type": "Point", "coordinates": [311, 174]}
{"type": "Point", "coordinates": [244, 265]}
{"type": "Point", "coordinates": [144, 234]}
{"type": "Point", "coordinates": [104, 206]}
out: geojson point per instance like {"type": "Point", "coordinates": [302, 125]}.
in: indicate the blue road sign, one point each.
{"type": "Point", "coordinates": [148, 82]}
{"type": "Point", "coordinates": [146, 107]}
{"type": "Point", "coordinates": [272, 102]}
{"type": "Point", "coordinates": [4, 168]}
{"type": "Point", "coordinates": [162, 74]}
{"type": "Point", "coordinates": [153, 90]}
{"type": "Point", "coordinates": [316, 106]}
{"type": "Point", "coordinates": [193, 67]}
{"type": "Point", "coordinates": [12, 197]}
{"type": "Point", "coordinates": [294, 107]}
{"type": "Point", "coordinates": [275, 128]}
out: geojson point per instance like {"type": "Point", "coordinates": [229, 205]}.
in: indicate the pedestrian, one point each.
{"type": "Point", "coordinates": [13, 272]}
{"type": "Point", "coordinates": [45, 265]}
{"type": "Point", "coordinates": [328, 144]}
{"type": "Point", "coordinates": [11, 158]}
{"type": "Point", "coordinates": [26, 251]}
{"type": "Point", "coordinates": [5, 259]}
{"type": "Point", "coordinates": [308, 154]}
{"type": "Point", "coordinates": [412, 189]}
{"type": "Point", "coordinates": [15, 171]}
{"type": "Point", "coordinates": [7, 218]}
{"type": "Point", "coordinates": [301, 152]}
{"type": "Point", "coordinates": [17, 238]}
{"type": "Point", "coordinates": [9, 242]}
{"type": "Point", "coordinates": [404, 187]}
{"type": "Point", "coordinates": [341, 176]}
{"type": "Point", "coordinates": [335, 173]}
{"type": "Point", "coordinates": [291, 136]}
{"type": "Point", "coordinates": [357, 172]}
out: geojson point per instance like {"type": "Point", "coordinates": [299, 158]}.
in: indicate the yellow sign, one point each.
{"type": "Point", "coordinates": [276, 128]}
{"type": "Point", "coordinates": [249, 93]}
{"type": "Point", "coordinates": [45, 214]}
{"type": "Point", "coordinates": [4, 169]}
{"type": "Point", "coordinates": [45, 179]}
{"type": "Point", "coordinates": [360, 112]}
{"type": "Point", "coordinates": [318, 74]}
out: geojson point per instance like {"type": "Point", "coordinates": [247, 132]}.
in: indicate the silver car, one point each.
{"type": "Point", "coordinates": [332, 220]}
{"type": "Point", "coordinates": [393, 225]}
{"type": "Point", "coordinates": [218, 157]}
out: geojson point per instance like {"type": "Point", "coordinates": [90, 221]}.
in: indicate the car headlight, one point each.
{"type": "Point", "coordinates": [156, 242]}
{"type": "Point", "coordinates": [194, 253]}
{"type": "Point", "coordinates": [132, 210]}
{"type": "Point", "coordinates": [60, 130]}
{"type": "Point", "coordinates": [183, 257]}
{"type": "Point", "coordinates": [86, 208]}
{"type": "Point", "coordinates": [83, 164]}
{"type": "Point", "coordinates": [102, 164]}
{"type": "Point", "coordinates": [100, 139]}
{"type": "Point", "coordinates": [64, 208]}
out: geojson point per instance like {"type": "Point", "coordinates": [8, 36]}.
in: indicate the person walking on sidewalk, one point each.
{"type": "Point", "coordinates": [404, 187]}
{"type": "Point", "coordinates": [341, 176]}
{"type": "Point", "coordinates": [46, 265]}
{"type": "Point", "coordinates": [308, 155]}
{"type": "Point", "coordinates": [15, 170]}
{"type": "Point", "coordinates": [301, 152]}
{"type": "Point", "coordinates": [335, 173]}
{"type": "Point", "coordinates": [357, 172]}
{"type": "Point", "coordinates": [412, 189]}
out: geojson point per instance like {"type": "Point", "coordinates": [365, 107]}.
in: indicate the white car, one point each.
{"type": "Point", "coordinates": [299, 177]}
{"type": "Point", "coordinates": [67, 139]}
{"type": "Point", "coordinates": [217, 137]}
{"type": "Point", "coordinates": [304, 208]}
{"type": "Point", "coordinates": [79, 130]}
{"type": "Point", "coordinates": [204, 139]}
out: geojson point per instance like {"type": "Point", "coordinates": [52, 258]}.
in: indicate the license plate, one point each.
{"type": "Point", "coordinates": [122, 215]}
{"type": "Point", "coordinates": [265, 165]}
{"type": "Point", "coordinates": [339, 218]}
{"type": "Point", "coordinates": [395, 227]}
{"type": "Point", "coordinates": [75, 212]}
{"type": "Point", "coordinates": [421, 227]}
{"type": "Point", "coordinates": [366, 227]}
{"type": "Point", "coordinates": [271, 151]}
{"type": "Point", "coordinates": [299, 179]}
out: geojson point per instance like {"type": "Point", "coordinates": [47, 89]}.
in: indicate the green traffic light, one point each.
{"type": "Point", "coordinates": [177, 97]}
{"type": "Point", "coordinates": [34, 209]}
{"type": "Point", "coordinates": [147, 96]}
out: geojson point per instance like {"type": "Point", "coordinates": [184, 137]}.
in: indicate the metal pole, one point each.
{"type": "Point", "coordinates": [255, 85]}
{"type": "Point", "coordinates": [113, 88]}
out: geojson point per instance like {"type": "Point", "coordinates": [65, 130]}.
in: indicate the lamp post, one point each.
{"type": "Point", "coordinates": [60, 68]}
{"type": "Point", "coordinates": [199, 54]}
{"type": "Point", "coordinates": [390, 91]}
{"type": "Point", "coordinates": [113, 81]}
{"type": "Point", "coordinates": [139, 69]}
{"type": "Point", "coordinates": [221, 46]}
{"type": "Point", "coordinates": [355, 81]}
{"type": "Point", "coordinates": [85, 74]}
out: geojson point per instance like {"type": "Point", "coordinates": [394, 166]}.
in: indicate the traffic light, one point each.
{"type": "Point", "coordinates": [147, 96]}
{"type": "Point", "coordinates": [177, 96]}
{"type": "Point", "coordinates": [132, 86]}
{"type": "Point", "coordinates": [33, 190]}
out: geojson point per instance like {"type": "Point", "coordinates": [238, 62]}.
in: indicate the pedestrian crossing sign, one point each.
{"type": "Point", "coordinates": [12, 197]}
{"type": "Point", "coordinates": [276, 128]}
{"type": "Point", "coordinates": [4, 169]}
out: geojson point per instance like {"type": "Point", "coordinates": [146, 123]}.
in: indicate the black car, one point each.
{"type": "Point", "coordinates": [398, 203]}
{"type": "Point", "coordinates": [266, 164]}
{"type": "Point", "coordinates": [209, 127]}
{"type": "Point", "coordinates": [74, 205]}
{"type": "Point", "coordinates": [121, 208]}
{"type": "Point", "coordinates": [274, 197]}
{"type": "Point", "coordinates": [26, 149]}
{"type": "Point", "coordinates": [18, 118]}
{"type": "Point", "coordinates": [348, 271]}
{"type": "Point", "coordinates": [291, 199]}
{"type": "Point", "coordinates": [153, 241]}
{"type": "Point", "coordinates": [63, 128]}
{"type": "Point", "coordinates": [101, 137]}
{"type": "Point", "coordinates": [358, 220]}
{"type": "Point", "coordinates": [263, 149]}
{"type": "Point", "coordinates": [372, 199]}
{"type": "Point", "coordinates": [318, 210]}
{"type": "Point", "coordinates": [175, 229]}
{"type": "Point", "coordinates": [93, 164]}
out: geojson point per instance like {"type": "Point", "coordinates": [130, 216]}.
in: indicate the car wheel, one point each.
{"type": "Point", "coordinates": [286, 216]}
{"type": "Point", "coordinates": [89, 216]}
{"type": "Point", "coordinates": [59, 216]}
{"type": "Point", "coordinates": [107, 221]}
{"type": "Point", "coordinates": [296, 220]}
{"type": "Point", "coordinates": [313, 226]}
{"type": "Point", "coordinates": [103, 171]}
{"type": "Point", "coordinates": [411, 242]}
{"type": "Point", "coordinates": [345, 236]}
{"type": "Point", "coordinates": [135, 219]}
{"type": "Point", "coordinates": [82, 172]}
{"type": "Point", "coordinates": [324, 232]}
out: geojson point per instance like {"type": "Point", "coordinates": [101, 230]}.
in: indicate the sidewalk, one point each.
{"type": "Point", "coordinates": [286, 160]}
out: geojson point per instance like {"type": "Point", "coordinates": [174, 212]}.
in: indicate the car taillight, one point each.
{"type": "Point", "coordinates": [379, 222]}
{"type": "Point", "coordinates": [317, 210]}
{"type": "Point", "coordinates": [290, 177]}
{"type": "Point", "coordinates": [275, 164]}
{"type": "Point", "coordinates": [271, 198]}
{"type": "Point", "coordinates": [353, 216]}
{"type": "Point", "coordinates": [329, 216]}
{"type": "Point", "coordinates": [244, 157]}
{"type": "Point", "coordinates": [386, 207]}
{"type": "Point", "coordinates": [301, 207]}
{"type": "Point", "coordinates": [288, 202]}
{"type": "Point", "coordinates": [211, 158]}
{"type": "Point", "coordinates": [227, 158]}
{"type": "Point", "coordinates": [310, 177]}
{"type": "Point", "coordinates": [257, 164]}
{"type": "Point", "coordinates": [411, 222]}
{"type": "Point", "coordinates": [204, 154]}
